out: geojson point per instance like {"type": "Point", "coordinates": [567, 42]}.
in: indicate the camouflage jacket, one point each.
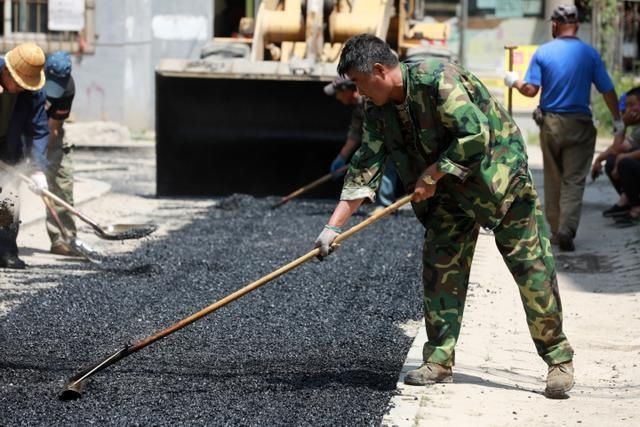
{"type": "Point", "coordinates": [448, 118]}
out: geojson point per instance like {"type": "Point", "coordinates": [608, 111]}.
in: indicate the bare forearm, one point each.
{"type": "Point", "coordinates": [611, 99]}
{"type": "Point", "coordinates": [526, 89]}
{"type": "Point", "coordinates": [634, 155]}
{"type": "Point", "coordinates": [619, 145]}
{"type": "Point", "coordinates": [343, 212]}
{"type": "Point", "coordinates": [603, 155]}
{"type": "Point", "coordinates": [54, 131]}
{"type": "Point", "coordinates": [349, 147]}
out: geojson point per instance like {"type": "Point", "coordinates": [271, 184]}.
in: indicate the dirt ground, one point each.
{"type": "Point", "coordinates": [498, 377]}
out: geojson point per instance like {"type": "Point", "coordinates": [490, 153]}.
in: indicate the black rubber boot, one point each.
{"type": "Point", "coordinates": [11, 261]}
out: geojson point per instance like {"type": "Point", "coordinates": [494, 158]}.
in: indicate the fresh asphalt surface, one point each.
{"type": "Point", "coordinates": [319, 346]}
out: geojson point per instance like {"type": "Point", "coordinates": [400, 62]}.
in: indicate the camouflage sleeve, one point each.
{"type": "Point", "coordinates": [355, 127]}
{"type": "Point", "coordinates": [468, 125]}
{"type": "Point", "coordinates": [366, 166]}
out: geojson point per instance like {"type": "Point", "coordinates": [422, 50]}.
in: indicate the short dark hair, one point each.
{"type": "Point", "coordinates": [359, 53]}
{"type": "Point", "coordinates": [634, 92]}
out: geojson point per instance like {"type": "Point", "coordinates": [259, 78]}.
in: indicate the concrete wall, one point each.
{"type": "Point", "coordinates": [117, 82]}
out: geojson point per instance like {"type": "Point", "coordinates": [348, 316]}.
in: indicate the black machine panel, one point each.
{"type": "Point", "coordinates": [219, 136]}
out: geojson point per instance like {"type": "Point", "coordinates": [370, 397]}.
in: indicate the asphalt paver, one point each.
{"type": "Point", "coordinates": [321, 345]}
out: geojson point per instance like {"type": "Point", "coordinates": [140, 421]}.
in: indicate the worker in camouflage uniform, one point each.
{"type": "Point", "coordinates": [464, 159]}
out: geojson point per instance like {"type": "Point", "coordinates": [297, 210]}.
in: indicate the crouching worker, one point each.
{"type": "Point", "coordinates": [464, 159]}
{"type": "Point", "coordinates": [22, 112]}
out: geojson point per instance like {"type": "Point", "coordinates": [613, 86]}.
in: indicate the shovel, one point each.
{"type": "Point", "coordinates": [71, 242]}
{"type": "Point", "coordinates": [75, 385]}
{"type": "Point", "coordinates": [310, 186]}
{"type": "Point", "coordinates": [109, 232]}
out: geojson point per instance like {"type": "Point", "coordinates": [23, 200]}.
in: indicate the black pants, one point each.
{"type": "Point", "coordinates": [9, 214]}
{"type": "Point", "coordinates": [629, 172]}
{"type": "Point", "coordinates": [608, 168]}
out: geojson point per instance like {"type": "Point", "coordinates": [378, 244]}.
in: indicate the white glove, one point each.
{"type": "Point", "coordinates": [325, 240]}
{"type": "Point", "coordinates": [511, 78]}
{"type": "Point", "coordinates": [618, 127]}
{"type": "Point", "coordinates": [38, 182]}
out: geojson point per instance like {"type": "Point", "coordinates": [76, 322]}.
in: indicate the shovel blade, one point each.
{"type": "Point", "coordinates": [72, 391]}
{"type": "Point", "coordinates": [126, 231]}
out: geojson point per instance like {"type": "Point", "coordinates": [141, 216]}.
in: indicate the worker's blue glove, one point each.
{"type": "Point", "coordinates": [337, 163]}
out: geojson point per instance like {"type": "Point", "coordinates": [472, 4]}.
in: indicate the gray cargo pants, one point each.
{"type": "Point", "coordinates": [60, 180]}
{"type": "Point", "coordinates": [568, 142]}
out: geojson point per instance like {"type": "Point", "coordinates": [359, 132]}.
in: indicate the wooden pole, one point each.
{"type": "Point", "coordinates": [510, 48]}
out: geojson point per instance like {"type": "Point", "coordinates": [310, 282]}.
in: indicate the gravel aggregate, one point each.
{"type": "Point", "coordinates": [321, 345]}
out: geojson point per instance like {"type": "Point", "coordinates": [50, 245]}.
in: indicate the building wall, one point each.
{"type": "Point", "coordinates": [117, 82]}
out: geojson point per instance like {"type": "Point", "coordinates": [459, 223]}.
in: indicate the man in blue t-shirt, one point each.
{"type": "Point", "coordinates": [565, 68]}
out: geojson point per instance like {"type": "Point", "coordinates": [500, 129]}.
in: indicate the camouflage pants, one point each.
{"type": "Point", "coordinates": [60, 180]}
{"type": "Point", "coordinates": [522, 239]}
{"type": "Point", "coordinates": [9, 213]}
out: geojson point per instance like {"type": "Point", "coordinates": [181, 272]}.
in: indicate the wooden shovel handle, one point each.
{"type": "Point", "coordinates": [510, 48]}
{"type": "Point", "coordinates": [311, 185]}
{"type": "Point", "coordinates": [269, 277]}
{"type": "Point", "coordinates": [56, 218]}
{"type": "Point", "coordinates": [373, 218]}
{"type": "Point", "coordinates": [74, 387]}
{"type": "Point", "coordinates": [55, 198]}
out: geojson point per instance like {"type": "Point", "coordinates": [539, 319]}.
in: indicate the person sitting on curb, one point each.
{"type": "Point", "coordinates": [616, 154]}
{"type": "Point", "coordinates": [346, 92]}
{"type": "Point", "coordinates": [22, 112]}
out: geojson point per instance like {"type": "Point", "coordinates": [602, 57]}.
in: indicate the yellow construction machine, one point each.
{"type": "Point", "coordinates": [250, 115]}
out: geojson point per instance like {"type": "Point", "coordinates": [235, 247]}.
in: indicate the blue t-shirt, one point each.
{"type": "Point", "coordinates": [564, 69]}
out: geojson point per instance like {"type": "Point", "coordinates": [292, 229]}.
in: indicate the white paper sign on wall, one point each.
{"type": "Point", "coordinates": [66, 15]}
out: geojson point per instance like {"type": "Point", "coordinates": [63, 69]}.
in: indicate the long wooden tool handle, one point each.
{"type": "Point", "coordinates": [373, 218]}
{"type": "Point", "coordinates": [53, 197]}
{"type": "Point", "coordinates": [510, 99]}
{"type": "Point", "coordinates": [56, 218]}
{"type": "Point", "coordinates": [265, 279]}
{"type": "Point", "coordinates": [75, 383]}
{"type": "Point", "coordinates": [311, 186]}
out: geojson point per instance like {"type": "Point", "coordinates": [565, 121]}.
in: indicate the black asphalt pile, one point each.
{"type": "Point", "coordinates": [319, 346]}
{"type": "Point", "coordinates": [134, 232]}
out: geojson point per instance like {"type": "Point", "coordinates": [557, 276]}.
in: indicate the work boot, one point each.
{"type": "Point", "coordinates": [60, 247]}
{"type": "Point", "coordinates": [11, 261]}
{"type": "Point", "coordinates": [429, 373]}
{"type": "Point", "coordinates": [559, 380]}
{"type": "Point", "coordinates": [565, 241]}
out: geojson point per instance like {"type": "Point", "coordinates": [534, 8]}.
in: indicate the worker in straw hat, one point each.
{"type": "Point", "coordinates": [22, 112]}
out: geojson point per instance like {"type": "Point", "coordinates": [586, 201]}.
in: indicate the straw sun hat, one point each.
{"type": "Point", "coordinates": [26, 62]}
